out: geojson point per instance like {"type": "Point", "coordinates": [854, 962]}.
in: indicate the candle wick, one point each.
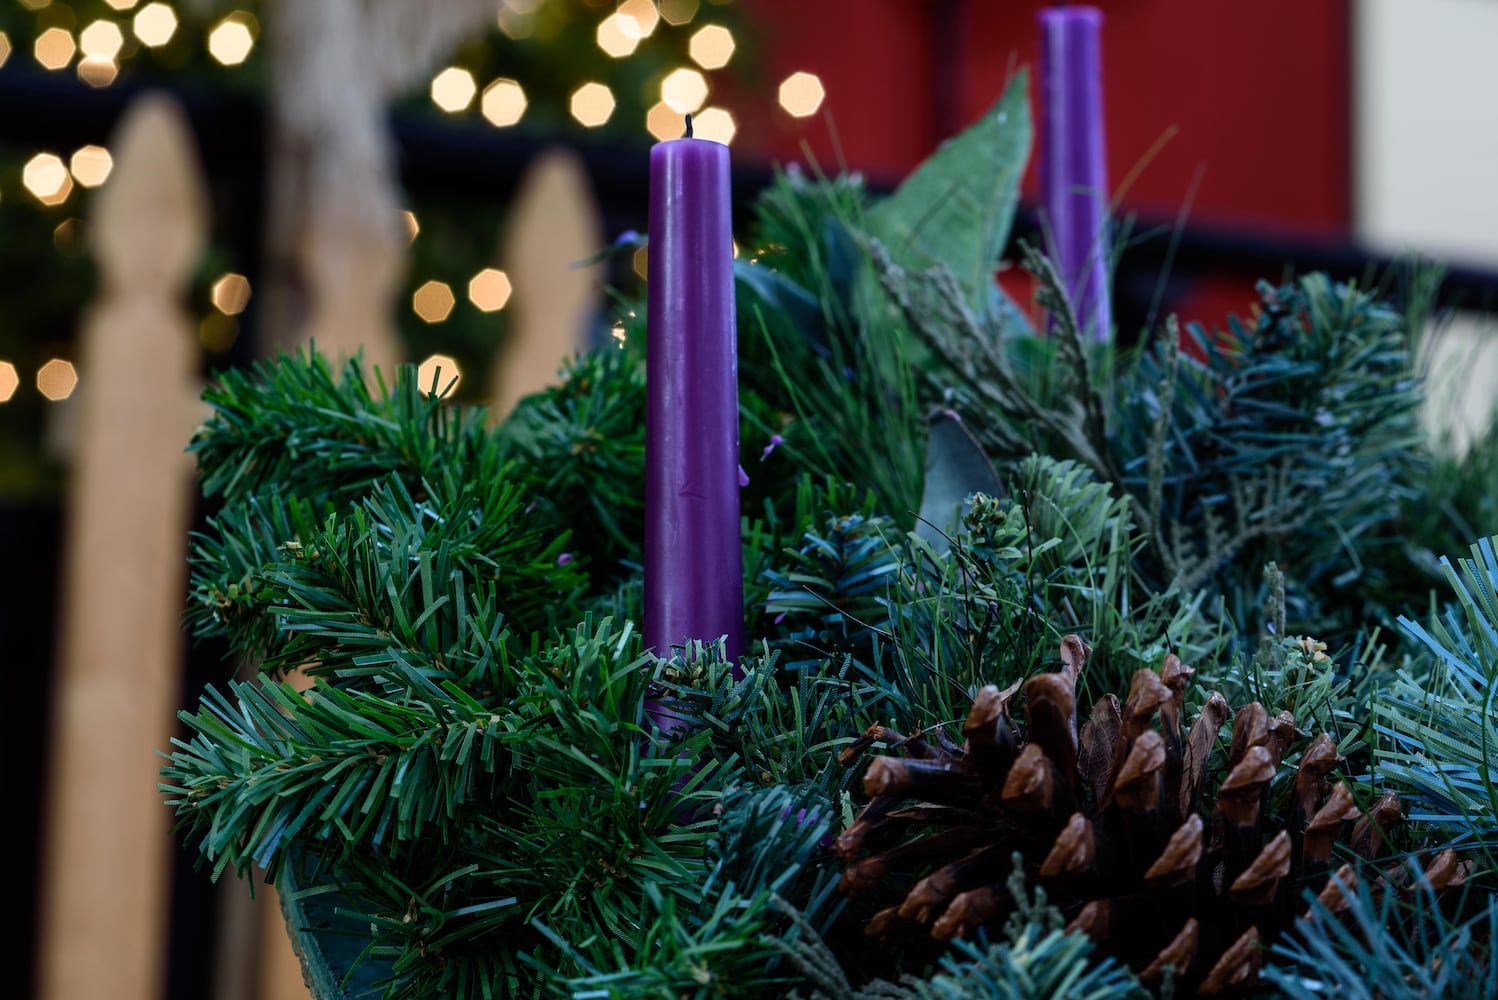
{"type": "Point", "coordinates": [689, 126]}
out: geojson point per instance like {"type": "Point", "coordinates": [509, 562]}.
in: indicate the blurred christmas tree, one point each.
{"type": "Point", "coordinates": [574, 71]}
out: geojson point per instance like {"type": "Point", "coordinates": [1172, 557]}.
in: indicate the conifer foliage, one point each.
{"type": "Point", "coordinates": [1042, 574]}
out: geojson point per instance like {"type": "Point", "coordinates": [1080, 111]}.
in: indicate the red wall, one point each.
{"type": "Point", "coordinates": [1254, 98]}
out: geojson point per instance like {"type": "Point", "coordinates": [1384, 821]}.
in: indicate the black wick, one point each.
{"type": "Point", "coordinates": [689, 126]}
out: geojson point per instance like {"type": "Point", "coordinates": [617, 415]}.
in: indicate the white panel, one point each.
{"type": "Point", "coordinates": [1426, 127]}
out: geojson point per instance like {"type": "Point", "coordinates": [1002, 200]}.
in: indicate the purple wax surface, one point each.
{"type": "Point", "coordinates": [694, 586]}
{"type": "Point", "coordinates": [1073, 160]}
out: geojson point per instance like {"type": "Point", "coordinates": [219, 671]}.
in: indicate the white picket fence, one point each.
{"type": "Point", "coordinates": [103, 925]}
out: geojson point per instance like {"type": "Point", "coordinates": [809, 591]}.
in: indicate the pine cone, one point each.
{"type": "Point", "coordinates": [1111, 822]}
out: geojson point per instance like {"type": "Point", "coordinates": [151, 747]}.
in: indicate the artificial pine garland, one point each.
{"type": "Point", "coordinates": [470, 799]}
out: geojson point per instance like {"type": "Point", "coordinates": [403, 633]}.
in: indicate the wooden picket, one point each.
{"type": "Point", "coordinates": [105, 875]}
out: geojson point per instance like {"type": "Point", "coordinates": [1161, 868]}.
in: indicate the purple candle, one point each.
{"type": "Point", "coordinates": [694, 586]}
{"type": "Point", "coordinates": [1073, 174]}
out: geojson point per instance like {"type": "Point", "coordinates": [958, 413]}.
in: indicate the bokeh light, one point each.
{"type": "Point", "coordinates": [618, 35]}
{"type": "Point", "coordinates": [678, 12]}
{"type": "Point", "coordinates": [504, 102]}
{"type": "Point", "coordinates": [101, 40]}
{"type": "Point", "coordinates": [35, 4]}
{"type": "Point", "coordinates": [4, 47]}
{"type": "Point", "coordinates": [90, 165]}
{"type": "Point", "coordinates": [56, 379]}
{"type": "Point", "coordinates": [453, 89]}
{"type": "Point", "coordinates": [155, 24]}
{"type": "Point", "coordinates": [230, 294]}
{"type": "Point", "coordinates": [592, 104]}
{"type": "Point", "coordinates": [643, 14]}
{"type": "Point", "coordinates": [801, 94]}
{"type": "Point", "coordinates": [441, 371]}
{"type": "Point", "coordinates": [217, 332]}
{"type": "Point", "coordinates": [47, 178]}
{"type": "Point", "coordinates": [715, 124]}
{"type": "Point", "coordinates": [54, 48]}
{"type": "Point", "coordinates": [10, 381]}
{"type": "Point", "coordinates": [433, 301]}
{"type": "Point", "coordinates": [711, 47]}
{"type": "Point", "coordinates": [665, 122]}
{"type": "Point", "coordinates": [408, 219]}
{"type": "Point", "coordinates": [640, 262]}
{"type": "Point", "coordinates": [122, 4]}
{"type": "Point", "coordinates": [684, 89]}
{"type": "Point", "coordinates": [489, 289]}
{"type": "Point", "coordinates": [98, 72]}
{"type": "Point", "coordinates": [231, 39]}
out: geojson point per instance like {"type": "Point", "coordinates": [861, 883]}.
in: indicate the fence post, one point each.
{"type": "Point", "coordinates": [554, 223]}
{"type": "Point", "coordinates": [104, 901]}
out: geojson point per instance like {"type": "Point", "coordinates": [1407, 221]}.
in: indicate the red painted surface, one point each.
{"type": "Point", "coordinates": [1242, 109]}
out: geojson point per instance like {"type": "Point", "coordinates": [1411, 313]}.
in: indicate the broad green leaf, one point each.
{"type": "Point", "coordinates": [957, 208]}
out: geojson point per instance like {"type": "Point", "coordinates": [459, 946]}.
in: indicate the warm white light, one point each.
{"type": "Point", "coordinates": [440, 371]}
{"type": "Point", "coordinates": [231, 41]}
{"type": "Point", "coordinates": [489, 289]}
{"type": "Point", "coordinates": [10, 381]}
{"type": "Point", "coordinates": [665, 122]}
{"type": "Point", "coordinates": [91, 165]}
{"type": "Point", "coordinates": [56, 379]}
{"type": "Point", "coordinates": [504, 102]}
{"type": "Point", "coordinates": [642, 13]}
{"type": "Point", "coordinates": [715, 124]}
{"type": "Point", "coordinates": [453, 89]}
{"type": "Point", "coordinates": [711, 47]}
{"type": "Point", "coordinates": [408, 219]}
{"type": "Point", "coordinates": [230, 294]}
{"type": "Point", "coordinates": [122, 4]}
{"type": "Point", "coordinates": [4, 47]}
{"type": "Point", "coordinates": [618, 35]}
{"type": "Point", "coordinates": [101, 40]}
{"type": "Point", "coordinates": [433, 301]}
{"type": "Point", "coordinates": [685, 90]}
{"type": "Point", "coordinates": [47, 178]}
{"type": "Point", "coordinates": [801, 94]}
{"type": "Point", "coordinates": [592, 104]}
{"type": "Point", "coordinates": [678, 12]}
{"type": "Point", "coordinates": [54, 48]}
{"type": "Point", "coordinates": [98, 72]}
{"type": "Point", "coordinates": [155, 24]}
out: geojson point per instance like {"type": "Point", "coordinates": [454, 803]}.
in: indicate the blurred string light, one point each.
{"type": "Point", "coordinates": [54, 48]}
{"type": "Point", "coordinates": [489, 289]}
{"type": "Point", "coordinates": [433, 301]}
{"type": "Point", "coordinates": [47, 178]}
{"type": "Point", "coordinates": [684, 90]}
{"type": "Point", "coordinates": [56, 379]}
{"type": "Point", "coordinates": [231, 39]}
{"type": "Point", "coordinates": [678, 12]}
{"type": "Point", "coordinates": [4, 47]}
{"type": "Point", "coordinates": [101, 40]}
{"type": "Point", "coordinates": [711, 47]}
{"type": "Point", "coordinates": [230, 294]}
{"type": "Point", "coordinates": [439, 371]}
{"type": "Point", "coordinates": [10, 381]}
{"type": "Point", "coordinates": [801, 94]}
{"type": "Point", "coordinates": [715, 124]}
{"type": "Point", "coordinates": [90, 165]}
{"type": "Point", "coordinates": [408, 219]}
{"type": "Point", "coordinates": [517, 17]}
{"type": "Point", "coordinates": [614, 38]}
{"type": "Point", "coordinates": [98, 72]}
{"type": "Point", "coordinates": [643, 15]}
{"type": "Point", "coordinates": [122, 4]}
{"type": "Point", "coordinates": [592, 104]}
{"type": "Point", "coordinates": [503, 102]}
{"type": "Point", "coordinates": [665, 122]}
{"type": "Point", "coordinates": [453, 89]}
{"type": "Point", "coordinates": [154, 24]}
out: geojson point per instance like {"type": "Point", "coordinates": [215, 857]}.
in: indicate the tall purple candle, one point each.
{"type": "Point", "coordinates": [1073, 162]}
{"type": "Point", "coordinates": [694, 586]}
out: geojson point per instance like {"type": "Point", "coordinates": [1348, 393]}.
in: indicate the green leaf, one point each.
{"type": "Point", "coordinates": [957, 208]}
{"type": "Point", "coordinates": [956, 468]}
